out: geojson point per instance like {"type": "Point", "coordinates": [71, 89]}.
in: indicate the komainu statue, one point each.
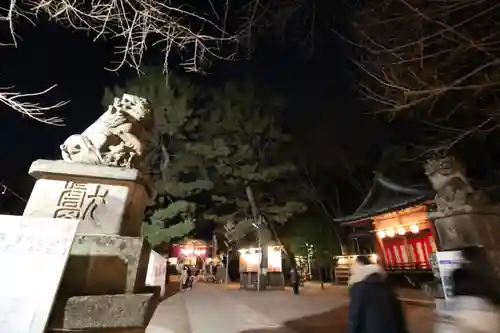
{"type": "Point", "coordinates": [453, 190]}
{"type": "Point", "coordinates": [116, 138]}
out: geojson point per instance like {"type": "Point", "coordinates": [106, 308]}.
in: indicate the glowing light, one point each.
{"type": "Point", "coordinates": [274, 259]}
{"type": "Point", "coordinates": [343, 260]}
{"type": "Point", "coordinates": [390, 232]}
{"type": "Point", "coordinates": [251, 258]}
{"type": "Point", "coordinates": [381, 234]}
{"type": "Point", "coordinates": [200, 252]}
{"type": "Point", "coordinates": [187, 251]}
{"type": "Point", "coordinates": [415, 229]}
{"type": "Point", "coordinates": [401, 231]}
{"type": "Point", "coordinates": [374, 258]}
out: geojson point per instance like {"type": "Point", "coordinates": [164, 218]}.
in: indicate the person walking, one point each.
{"type": "Point", "coordinates": [184, 278]}
{"type": "Point", "coordinates": [190, 279]}
{"type": "Point", "coordinates": [374, 306]}
{"type": "Point", "coordinates": [295, 280]}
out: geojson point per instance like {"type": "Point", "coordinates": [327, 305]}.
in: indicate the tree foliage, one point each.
{"type": "Point", "coordinates": [312, 229]}
{"type": "Point", "coordinates": [245, 145]}
{"type": "Point", "coordinates": [156, 232]}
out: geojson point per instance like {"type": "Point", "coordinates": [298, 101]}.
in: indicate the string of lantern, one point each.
{"type": "Point", "coordinates": [400, 230]}
{"type": "Point", "coordinates": [276, 248]}
{"type": "Point", "coordinates": [4, 189]}
{"type": "Point", "coordinates": [188, 251]}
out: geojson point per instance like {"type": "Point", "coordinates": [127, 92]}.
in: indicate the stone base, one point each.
{"type": "Point", "coordinates": [468, 228]}
{"type": "Point", "coordinates": [106, 264]}
{"type": "Point", "coordinates": [104, 312]}
{"type": "Point", "coordinates": [459, 229]}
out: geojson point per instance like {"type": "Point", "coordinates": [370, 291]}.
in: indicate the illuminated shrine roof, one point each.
{"type": "Point", "coordinates": [193, 243]}
{"type": "Point", "coordinates": [386, 196]}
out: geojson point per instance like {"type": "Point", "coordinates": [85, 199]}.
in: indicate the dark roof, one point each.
{"type": "Point", "coordinates": [386, 196]}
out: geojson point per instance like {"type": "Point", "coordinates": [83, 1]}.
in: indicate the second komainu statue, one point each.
{"type": "Point", "coordinates": [454, 192]}
{"type": "Point", "coordinates": [116, 138]}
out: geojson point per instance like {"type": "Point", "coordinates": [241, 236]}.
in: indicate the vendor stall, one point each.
{"type": "Point", "coordinates": [251, 274]}
{"type": "Point", "coordinates": [191, 252]}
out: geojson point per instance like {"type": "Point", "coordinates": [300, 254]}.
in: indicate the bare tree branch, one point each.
{"type": "Point", "coordinates": [434, 60]}
{"type": "Point", "coordinates": [132, 24]}
{"type": "Point", "coordinates": [21, 103]}
{"type": "Point", "coordinates": [287, 20]}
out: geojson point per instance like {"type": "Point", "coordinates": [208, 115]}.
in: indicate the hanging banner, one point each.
{"type": "Point", "coordinates": [410, 253]}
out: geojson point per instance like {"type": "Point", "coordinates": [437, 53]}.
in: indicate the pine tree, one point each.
{"type": "Point", "coordinates": [246, 147]}
{"type": "Point", "coordinates": [173, 212]}
{"type": "Point", "coordinates": [224, 141]}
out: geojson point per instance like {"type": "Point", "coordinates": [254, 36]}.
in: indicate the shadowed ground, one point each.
{"type": "Point", "coordinates": [219, 309]}
{"type": "Point", "coordinates": [336, 321]}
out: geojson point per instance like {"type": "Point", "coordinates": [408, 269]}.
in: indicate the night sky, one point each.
{"type": "Point", "coordinates": [324, 112]}
{"type": "Point", "coordinates": [48, 55]}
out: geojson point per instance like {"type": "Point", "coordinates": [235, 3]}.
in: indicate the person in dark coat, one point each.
{"type": "Point", "coordinates": [295, 280]}
{"type": "Point", "coordinates": [374, 306]}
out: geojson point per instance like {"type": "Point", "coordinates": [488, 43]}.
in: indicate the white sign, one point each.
{"type": "Point", "coordinates": [447, 262]}
{"type": "Point", "coordinates": [157, 270]}
{"type": "Point", "coordinates": [33, 256]}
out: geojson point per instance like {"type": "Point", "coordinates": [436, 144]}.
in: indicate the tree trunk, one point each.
{"type": "Point", "coordinates": [253, 205]}
{"type": "Point", "coordinates": [339, 239]}
{"type": "Point", "coordinates": [257, 221]}
{"type": "Point", "coordinates": [290, 256]}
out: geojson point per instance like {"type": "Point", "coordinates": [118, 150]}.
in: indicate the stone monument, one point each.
{"type": "Point", "coordinates": [33, 256]}
{"type": "Point", "coordinates": [463, 217]}
{"type": "Point", "coordinates": [102, 182]}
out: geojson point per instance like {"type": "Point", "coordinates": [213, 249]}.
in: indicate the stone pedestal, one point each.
{"type": "Point", "coordinates": [103, 287]}
{"type": "Point", "coordinates": [101, 264]}
{"type": "Point", "coordinates": [470, 227]}
{"type": "Point", "coordinates": [107, 200]}
{"type": "Point", "coordinates": [103, 312]}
